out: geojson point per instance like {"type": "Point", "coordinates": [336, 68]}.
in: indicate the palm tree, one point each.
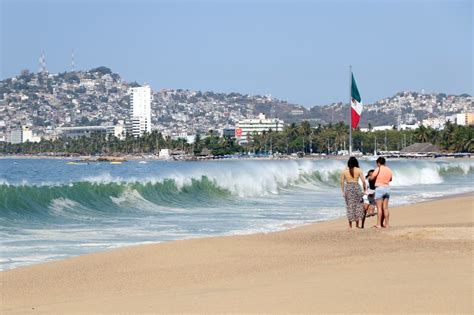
{"type": "Point", "coordinates": [463, 139]}
{"type": "Point", "coordinates": [341, 130]}
{"type": "Point", "coordinates": [422, 134]}
{"type": "Point", "coordinates": [447, 138]}
{"type": "Point", "coordinates": [305, 128]}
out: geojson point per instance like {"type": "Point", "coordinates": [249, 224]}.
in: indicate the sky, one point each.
{"type": "Point", "coordinates": [298, 51]}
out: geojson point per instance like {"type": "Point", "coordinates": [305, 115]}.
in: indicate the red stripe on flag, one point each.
{"type": "Point", "coordinates": [355, 118]}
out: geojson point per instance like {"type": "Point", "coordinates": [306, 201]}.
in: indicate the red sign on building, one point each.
{"type": "Point", "coordinates": [238, 132]}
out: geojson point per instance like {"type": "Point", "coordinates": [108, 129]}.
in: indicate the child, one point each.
{"type": "Point", "coordinates": [369, 198]}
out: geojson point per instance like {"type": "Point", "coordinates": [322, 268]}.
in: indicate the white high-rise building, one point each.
{"type": "Point", "coordinates": [141, 110]}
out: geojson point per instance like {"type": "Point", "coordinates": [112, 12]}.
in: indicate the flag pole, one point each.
{"type": "Point", "coordinates": [350, 110]}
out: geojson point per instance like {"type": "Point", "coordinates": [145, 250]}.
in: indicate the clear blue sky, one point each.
{"type": "Point", "coordinates": [298, 51]}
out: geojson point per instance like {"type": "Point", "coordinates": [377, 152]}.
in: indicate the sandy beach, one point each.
{"type": "Point", "coordinates": [424, 263]}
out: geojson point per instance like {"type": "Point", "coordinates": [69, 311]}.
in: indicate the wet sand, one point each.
{"type": "Point", "coordinates": [423, 263]}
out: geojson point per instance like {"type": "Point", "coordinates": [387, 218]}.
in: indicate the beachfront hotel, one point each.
{"type": "Point", "coordinates": [22, 134]}
{"type": "Point", "coordinates": [140, 99]}
{"type": "Point", "coordinates": [247, 127]}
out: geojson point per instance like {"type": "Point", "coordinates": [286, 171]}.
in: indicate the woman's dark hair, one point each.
{"type": "Point", "coordinates": [381, 160]}
{"type": "Point", "coordinates": [351, 164]}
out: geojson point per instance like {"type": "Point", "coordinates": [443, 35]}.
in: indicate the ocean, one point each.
{"type": "Point", "coordinates": [52, 209]}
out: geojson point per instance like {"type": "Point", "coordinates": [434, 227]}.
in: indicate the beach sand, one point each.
{"type": "Point", "coordinates": [424, 263]}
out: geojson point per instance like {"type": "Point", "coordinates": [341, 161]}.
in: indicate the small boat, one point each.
{"type": "Point", "coordinates": [142, 162]}
{"type": "Point", "coordinates": [115, 162]}
{"type": "Point", "coordinates": [111, 159]}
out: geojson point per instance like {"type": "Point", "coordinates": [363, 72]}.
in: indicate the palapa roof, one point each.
{"type": "Point", "coordinates": [421, 148]}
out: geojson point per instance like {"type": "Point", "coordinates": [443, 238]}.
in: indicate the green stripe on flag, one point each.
{"type": "Point", "coordinates": [354, 91]}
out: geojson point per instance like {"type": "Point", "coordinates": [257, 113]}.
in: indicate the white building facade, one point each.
{"type": "Point", "coordinates": [140, 99]}
{"type": "Point", "coordinates": [118, 130]}
{"type": "Point", "coordinates": [16, 136]}
{"type": "Point", "coordinates": [82, 131]}
{"type": "Point", "coordinates": [247, 127]}
{"type": "Point", "coordinates": [23, 134]}
{"type": "Point", "coordinates": [137, 126]}
{"type": "Point", "coordinates": [465, 119]}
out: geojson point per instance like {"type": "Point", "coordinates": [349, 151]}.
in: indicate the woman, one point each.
{"type": "Point", "coordinates": [352, 191]}
{"type": "Point", "coordinates": [382, 176]}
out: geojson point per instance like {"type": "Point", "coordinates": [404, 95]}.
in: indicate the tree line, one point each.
{"type": "Point", "coordinates": [332, 138]}
{"type": "Point", "coordinates": [295, 138]}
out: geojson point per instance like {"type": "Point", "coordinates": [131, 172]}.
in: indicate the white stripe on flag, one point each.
{"type": "Point", "coordinates": [356, 106]}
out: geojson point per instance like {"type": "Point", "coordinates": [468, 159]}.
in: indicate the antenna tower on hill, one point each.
{"type": "Point", "coordinates": [72, 61]}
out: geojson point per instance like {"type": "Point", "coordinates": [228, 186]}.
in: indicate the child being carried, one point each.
{"type": "Point", "coordinates": [369, 197]}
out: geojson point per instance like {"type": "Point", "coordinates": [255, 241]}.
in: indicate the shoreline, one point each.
{"type": "Point", "coordinates": [221, 271]}
{"type": "Point", "coordinates": [285, 227]}
{"type": "Point", "coordinates": [125, 158]}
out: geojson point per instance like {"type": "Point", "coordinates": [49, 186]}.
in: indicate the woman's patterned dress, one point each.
{"type": "Point", "coordinates": [354, 201]}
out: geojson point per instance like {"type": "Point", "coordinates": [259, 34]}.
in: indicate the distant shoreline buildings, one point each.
{"type": "Point", "coordinates": [438, 123]}
{"type": "Point", "coordinates": [75, 103]}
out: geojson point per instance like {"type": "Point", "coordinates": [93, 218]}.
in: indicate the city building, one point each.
{"type": "Point", "coordinates": [140, 100]}
{"type": "Point", "coordinates": [409, 127]}
{"type": "Point", "coordinates": [23, 134]}
{"type": "Point", "coordinates": [435, 123]}
{"type": "Point", "coordinates": [16, 136]}
{"type": "Point", "coordinates": [246, 127]}
{"type": "Point", "coordinates": [119, 131]}
{"type": "Point", "coordinates": [136, 126]}
{"type": "Point", "coordinates": [84, 131]}
{"type": "Point", "coordinates": [228, 133]}
{"type": "Point", "coordinates": [465, 119]}
{"type": "Point", "coordinates": [165, 154]}
{"type": "Point", "coordinates": [183, 135]}
{"type": "Point", "coordinates": [451, 118]}
{"type": "Point", "coordinates": [379, 128]}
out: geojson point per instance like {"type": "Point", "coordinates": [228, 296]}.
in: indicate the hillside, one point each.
{"type": "Point", "coordinates": [100, 97]}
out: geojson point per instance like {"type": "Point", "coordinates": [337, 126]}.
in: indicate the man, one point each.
{"type": "Point", "coordinates": [382, 176]}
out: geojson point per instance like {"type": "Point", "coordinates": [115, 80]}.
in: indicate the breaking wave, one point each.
{"type": "Point", "coordinates": [101, 195]}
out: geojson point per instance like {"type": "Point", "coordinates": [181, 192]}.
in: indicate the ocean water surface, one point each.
{"type": "Point", "coordinates": [51, 209]}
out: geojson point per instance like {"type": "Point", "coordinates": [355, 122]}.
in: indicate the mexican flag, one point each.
{"type": "Point", "coordinates": [356, 104]}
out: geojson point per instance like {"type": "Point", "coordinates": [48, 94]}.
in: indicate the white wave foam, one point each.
{"type": "Point", "coordinates": [129, 196]}
{"type": "Point", "coordinates": [258, 178]}
{"type": "Point", "coordinates": [264, 178]}
{"type": "Point", "coordinates": [103, 178]}
{"type": "Point", "coordinates": [132, 199]}
{"type": "Point", "coordinates": [415, 175]}
{"type": "Point", "coordinates": [60, 205]}
{"type": "Point", "coordinates": [67, 208]}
